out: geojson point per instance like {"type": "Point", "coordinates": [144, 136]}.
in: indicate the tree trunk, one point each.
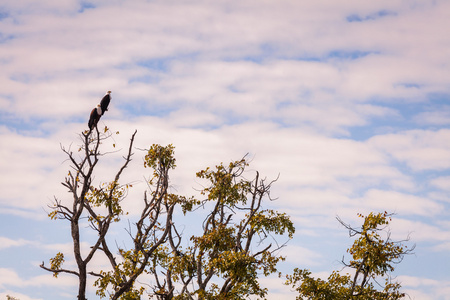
{"type": "Point", "coordinates": [82, 274]}
{"type": "Point", "coordinates": [82, 284]}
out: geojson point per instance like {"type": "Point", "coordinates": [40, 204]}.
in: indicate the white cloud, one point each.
{"type": "Point", "coordinates": [439, 289]}
{"type": "Point", "coordinates": [17, 295]}
{"type": "Point", "coordinates": [91, 46]}
{"type": "Point", "coordinates": [32, 163]}
{"type": "Point", "coordinates": [300, 256]}
{"type": "Point", "coordinates": [400, 203]}
{"type": "Point", "coordinates": [419, 232]}
{"type": "Point", "coordinates": [7, 243]}
{"type": "Point", "coordinates": [10, 277]}
{"type": "Point", "coordinates": [276, 288]}
{"type": "Point", "coordinates": [444, 247]}
{"type": "Point", "coordinates": [438, 117]}
{"type": "Point", "coordinates": [442, 182]}
{"type": "Point", "coordinates": [419, 149]}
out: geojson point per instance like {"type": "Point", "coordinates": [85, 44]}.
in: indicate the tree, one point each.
{"type": "Point", "coordinates": [223, 261]}
{"type": "Point", "coordinates": [374, 255]}
{"type": "Point", "coordinates": [101, 205]}
{"type": "Point", "coordinates": [152, 230]}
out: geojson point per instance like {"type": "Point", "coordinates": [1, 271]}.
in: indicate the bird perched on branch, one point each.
{"type": "Point", "coordinates": [96, 113]}
{"type": "Point", "coordinates": [105, 102]}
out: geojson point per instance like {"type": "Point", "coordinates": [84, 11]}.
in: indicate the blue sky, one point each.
{"type": "Point", "coordinates": [347, 101]}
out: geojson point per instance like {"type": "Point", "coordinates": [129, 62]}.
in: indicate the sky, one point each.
{"type": "Point", "coordinates": [347, 101]}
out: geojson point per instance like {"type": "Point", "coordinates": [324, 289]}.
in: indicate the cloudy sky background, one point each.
{"type": "Point", "coordinates": [347, 100]}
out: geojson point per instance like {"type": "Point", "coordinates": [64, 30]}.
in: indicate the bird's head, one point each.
{"type": "Point", "coordinates": [108, 92]}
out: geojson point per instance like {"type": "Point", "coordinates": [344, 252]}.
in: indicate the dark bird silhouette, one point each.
{"type": "Point", "coordinates": [105, 102]}
{"type": "Point", "coordinates": [96, 113]}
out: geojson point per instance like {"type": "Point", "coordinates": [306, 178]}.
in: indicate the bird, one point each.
{"type": "Point", "coordinates": [96, 113]}
{"type": "Point", "coordinates": [105, 102]}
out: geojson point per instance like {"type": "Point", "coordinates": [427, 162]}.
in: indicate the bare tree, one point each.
{"type": "Point", "coordinates": [101, 206]}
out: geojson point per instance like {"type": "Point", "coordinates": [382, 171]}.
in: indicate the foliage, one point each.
{"type": "Point", "coordinates": [226, 259]}
{"type": "Point", "coordinates": [373, 259]}
{"type": "Point", "coordinates": [234, 246]}
{"type": "Point", "coordinates": [108, 196]}
{"type": "Point", "coordinates": [151, 231]}
{"type": "Point", "coordinates": [159, 157]}
{"type": "Point", "coordinates": [100, 206]}
{"type": "Point", "coordinates": [56, 263]}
